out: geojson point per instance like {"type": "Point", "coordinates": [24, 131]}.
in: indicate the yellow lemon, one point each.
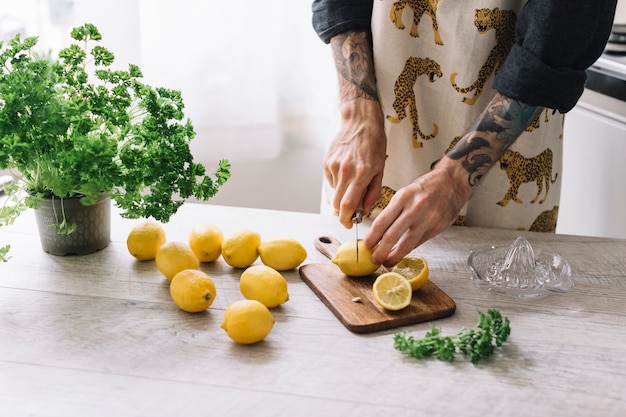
{"type": "Point", "coordinates": [414, 269]}
{"type": "Point", "coordinates": [240, 249]}
{"type": "Point", "coordinates": [192, 290]}
{"type": "Point", "coordinates": [264, 284]}
{"type": "Point", "coordinates": [282, 254]}
{"type": "Point", "coordinates": [392, 291]}
{"type": "Point", "coordinates": [205, 240]}
{"type": "Point", "coordinates": [144, 240]}
{"type": "Point", "coordinates": [345, 259]}
{"type": "Point", "coordinates": [247, 321]}
{"type": "Point", "coordinates": [173, 257]}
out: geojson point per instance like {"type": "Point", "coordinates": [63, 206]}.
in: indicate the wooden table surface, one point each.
{"type": "Point", "coordinates": [98, 335]}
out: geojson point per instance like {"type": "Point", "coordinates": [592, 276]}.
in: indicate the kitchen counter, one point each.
{"type": "Point", "coordinates": [98, 335]}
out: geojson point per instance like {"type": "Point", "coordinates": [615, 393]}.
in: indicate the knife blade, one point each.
{"type": "Point", "coordinates": [357, 218]}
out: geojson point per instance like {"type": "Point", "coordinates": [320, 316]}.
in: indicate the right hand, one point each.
{"type": "Point", "coordinates": [354, 162]}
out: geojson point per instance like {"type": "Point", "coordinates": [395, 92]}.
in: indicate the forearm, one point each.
{"type": "Point", "coordinates": [496, 129]}
{"type": "Point", "coordinates": [355, 160]}
{"type": "Point", "coordinates": [353, 56]}
{"type": "Point", "coordinates": [432, 202]}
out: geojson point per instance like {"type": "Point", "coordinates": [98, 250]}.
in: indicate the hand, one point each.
{"type": "Point", "coordinates": [354, 162]}
{"type": "Point", "coordinates": [418, 212]}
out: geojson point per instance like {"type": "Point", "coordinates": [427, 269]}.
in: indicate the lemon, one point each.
{"type": "Point", "coordinates": [144, 240]}
{"type": "Point", "coordinates": [414, 269]}
{"type": "Point", "coordinates": [264, 284]}
{"type": "Point", "coordinates": [192, 290]}
{"type": "Point", "coordinates": [392, 291]}
{"type": "Point", "coordinates": [282, 254]}
{"type": "Point", "coordinates": [240, 249]}
{"type": "Point", "coordinates": [247, 321]}
{"type": "Point", "coordinates": [173, 257]}
{"type": "Point", "coordinates": [205, 240]}
{"type": "Point", "coordinates": [345, 259]}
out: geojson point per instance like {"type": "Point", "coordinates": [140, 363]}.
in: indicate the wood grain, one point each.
{"type": "Point", "coordinates": [99, 336]}
{"type": "Point", "coordinates": [338, 292]}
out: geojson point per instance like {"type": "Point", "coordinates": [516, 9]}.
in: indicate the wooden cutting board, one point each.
{"type": "Point", "coordinates": [337, 291]}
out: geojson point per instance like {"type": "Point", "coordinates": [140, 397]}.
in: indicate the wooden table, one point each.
{"type": "Point", "coordinates": [98, 335]}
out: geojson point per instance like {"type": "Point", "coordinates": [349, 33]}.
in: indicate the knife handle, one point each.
{"type": "Point", "coordinates": [357, 217]}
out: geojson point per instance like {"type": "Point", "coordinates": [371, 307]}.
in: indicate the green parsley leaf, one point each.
{"type": "Point", "coordinates": [478, 343]}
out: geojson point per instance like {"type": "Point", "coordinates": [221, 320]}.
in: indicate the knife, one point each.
{"type": "Point", "coordinates": [357, 218]}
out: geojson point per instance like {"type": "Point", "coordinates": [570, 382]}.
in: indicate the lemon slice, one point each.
{"type": "Point", "coordinates": [392, 291]}
{"type": "Point", "coordinates": [414, 269]}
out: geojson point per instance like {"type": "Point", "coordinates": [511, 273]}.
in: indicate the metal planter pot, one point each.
{"type": "Point", "coordinates": [93, 231]}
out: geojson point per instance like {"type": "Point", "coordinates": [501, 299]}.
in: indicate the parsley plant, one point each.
{"type": "Point", "coordinates": [75, 126]}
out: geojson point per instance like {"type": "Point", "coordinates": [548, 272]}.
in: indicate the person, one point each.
{"type": "Point", "coordinates": [434, 93]}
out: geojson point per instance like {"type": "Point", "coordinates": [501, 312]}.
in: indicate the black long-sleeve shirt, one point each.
{"type": "Point", "coordinates": [556, 41]}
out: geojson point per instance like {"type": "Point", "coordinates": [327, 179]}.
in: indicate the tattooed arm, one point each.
{"type": "Point", "coordinates": [354, 162]}
{"type": "Point", "coordinates": [431, 203]}
{"type": "Point", "coordinates": [497, 128]}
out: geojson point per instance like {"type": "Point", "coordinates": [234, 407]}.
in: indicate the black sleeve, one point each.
{"type": "Point", "coordinates": [332, 17]}
{"type": "Point", "coordinates": [556, 41]}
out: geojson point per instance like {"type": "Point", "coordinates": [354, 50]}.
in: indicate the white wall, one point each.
{"type": "Point", "coordinates": [620, 12]}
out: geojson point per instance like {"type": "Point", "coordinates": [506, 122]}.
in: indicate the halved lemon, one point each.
{"type": "Point", "coordinates": [392, 291]}
{"type": "Point", "coordinates": [415, 269]}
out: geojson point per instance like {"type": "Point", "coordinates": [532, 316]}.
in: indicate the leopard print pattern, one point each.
{"type": "Point", "coordinates": [420, 8]}
{"type": "Point", "coordinates": [536, 124]}
{"type": "Point", "coordinates": [546, 221]}
{"type": "Point", "coordinates": [460, 221]}
{"type": "Point", "coordinates": [385, 197]}
{"type": "Point", "coordinates": [503, 22]}
{"type": "Point", "coordinates": [520, 170]}
{"type": "Point", "coordinates": [405, 94]}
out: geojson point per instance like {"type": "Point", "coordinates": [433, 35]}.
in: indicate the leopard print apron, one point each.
{"type": "Point", "coordinates": [435, 62]}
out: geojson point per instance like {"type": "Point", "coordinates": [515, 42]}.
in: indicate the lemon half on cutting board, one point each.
{"type": "Point", "coordinates": [392, 291]}
{"type": "Point", "coordinates": [414, 269]}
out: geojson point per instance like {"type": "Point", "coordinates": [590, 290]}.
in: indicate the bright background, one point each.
{"type": "Point", "coordinates": [260, 89]}
{"type": "Point", "coordinates": [258, 84]}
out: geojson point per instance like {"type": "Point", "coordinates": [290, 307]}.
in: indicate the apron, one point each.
{"type": "Point", "coordinates": [435, 62]}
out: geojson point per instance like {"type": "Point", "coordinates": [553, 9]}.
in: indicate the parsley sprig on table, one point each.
{"type": "Point", "coordinates": [477, 343]}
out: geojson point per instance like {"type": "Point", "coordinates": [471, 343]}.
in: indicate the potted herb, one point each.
{"type": "Point", "coordinates": [75, 128]}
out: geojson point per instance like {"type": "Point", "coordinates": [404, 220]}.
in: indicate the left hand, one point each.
{"type": "Point", "coordinates": [418, 212]}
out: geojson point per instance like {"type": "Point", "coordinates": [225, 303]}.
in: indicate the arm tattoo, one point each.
{"type": "Point", "coordinates": [494, 132]}
{"type": "Point", "coordinates": [355, 65]}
